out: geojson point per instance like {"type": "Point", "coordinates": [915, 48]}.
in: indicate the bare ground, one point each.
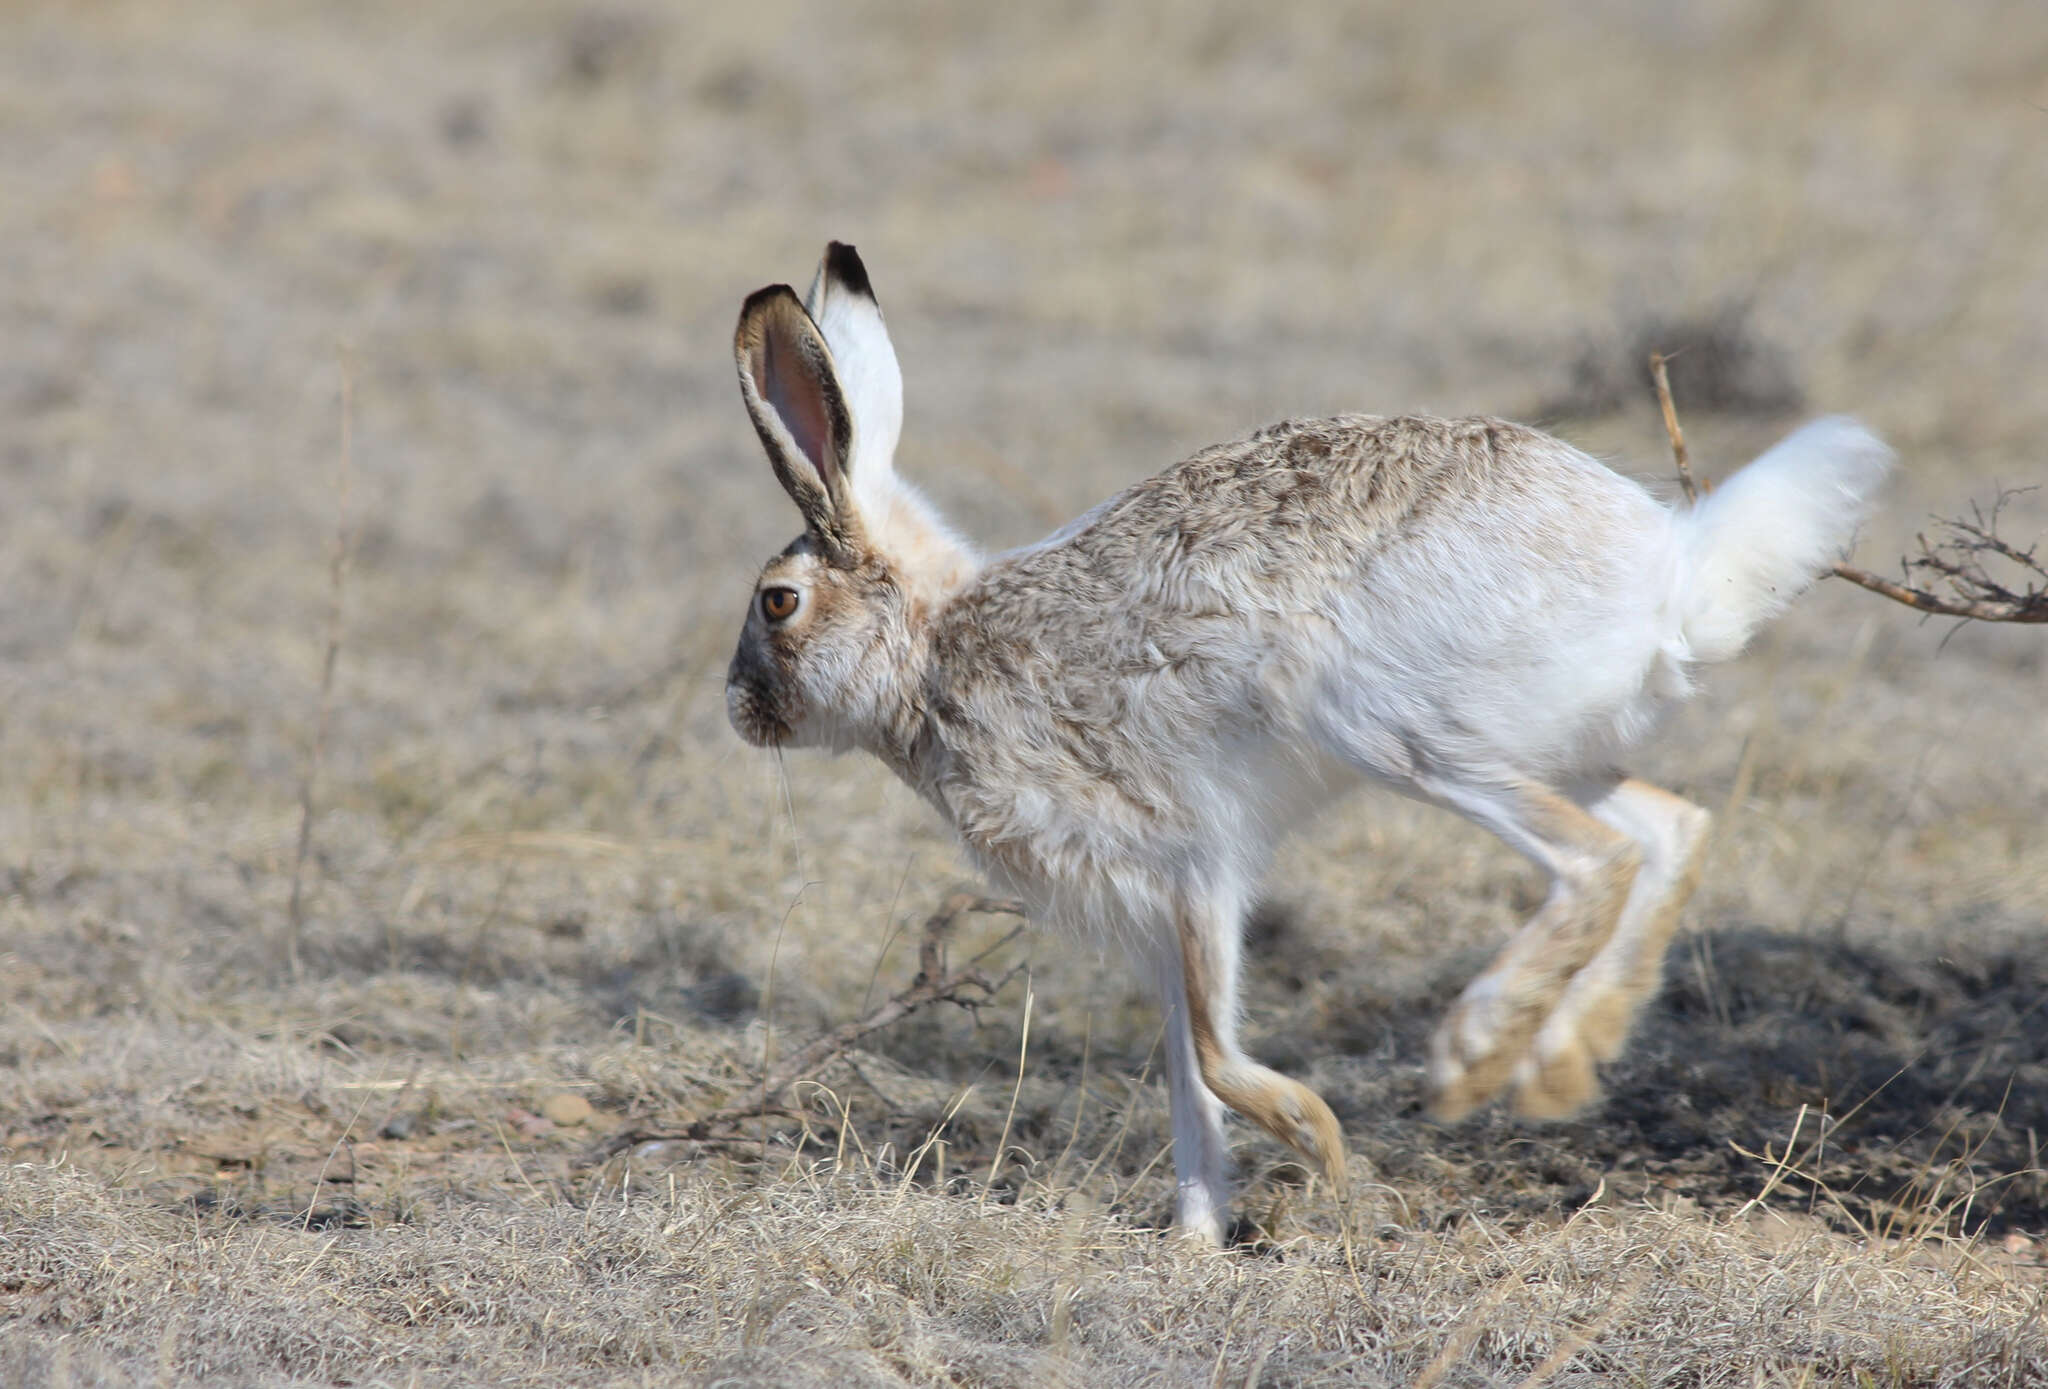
{"type": "Point", "coordinates": [550, 900]}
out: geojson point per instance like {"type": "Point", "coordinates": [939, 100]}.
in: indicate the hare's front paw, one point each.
{"type": "Point", "coordinates": [1200, 1211]}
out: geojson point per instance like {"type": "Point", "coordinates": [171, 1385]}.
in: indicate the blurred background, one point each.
{"type": "Point", "coordinates": [1105, 235]}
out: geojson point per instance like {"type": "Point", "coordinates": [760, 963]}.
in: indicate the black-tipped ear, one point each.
{"type": "Point", "coordinates": [792, 392]}
{"type": "Point", "coordinates": [840, 275]}
{"type": "Point", "coordinates": [842, 304]}
{"type": "Point", "coordinates": [842, 263]}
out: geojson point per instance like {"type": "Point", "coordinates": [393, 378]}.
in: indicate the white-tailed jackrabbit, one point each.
{"type": "Point", "coordinates": [1123, 720]}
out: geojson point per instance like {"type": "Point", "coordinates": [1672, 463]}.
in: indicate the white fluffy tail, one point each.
{"type": "Point", "coordinates": [1753, 544]}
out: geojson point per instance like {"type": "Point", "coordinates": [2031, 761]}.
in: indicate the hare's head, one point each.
{"type": "Point", "coordinates": [831, 630]}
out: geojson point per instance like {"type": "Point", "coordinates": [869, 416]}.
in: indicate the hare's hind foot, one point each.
{"type": "Point", "coordinates": [1486, 1042]}
{"type": "Point", "coordinates": [1599, 1006]}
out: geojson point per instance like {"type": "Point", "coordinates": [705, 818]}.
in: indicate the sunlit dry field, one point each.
{"type": "Point", "coordinates": [550, 906]}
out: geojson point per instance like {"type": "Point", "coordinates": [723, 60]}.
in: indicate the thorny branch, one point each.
{"type": "Point", "coordinates": [967, 986]}
{"type": "Point", "coordinates": [1956, 561]}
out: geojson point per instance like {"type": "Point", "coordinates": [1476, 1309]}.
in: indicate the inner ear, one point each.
{"type": "Point", "coordinates": [792, 392]}
{"type": "Point", "coordinates": [789, 377]}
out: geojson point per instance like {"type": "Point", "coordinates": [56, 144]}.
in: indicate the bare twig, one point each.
{"type": "Point", "coordinates": [337, 578]}
{"type": "Point", "coordinates": [1661, 376]}
{"type": "Point", "coordinates": [1981, 610]}
{"type": "Point", "coordinates": [967, 986]}
{"type": "Point", "coordinates": [1957, 561]}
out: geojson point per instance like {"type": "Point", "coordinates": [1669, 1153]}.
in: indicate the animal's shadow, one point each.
{"type": "Point", "coordinates": [1923, 1081]}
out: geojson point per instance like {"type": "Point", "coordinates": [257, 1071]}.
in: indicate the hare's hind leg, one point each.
{"type": "Point", "coordinates": [1593, 1016]}
{"type": "Point", "coordinates": [1208, 936]}
{"type": "Point", "coordinates": [1478, 1048]}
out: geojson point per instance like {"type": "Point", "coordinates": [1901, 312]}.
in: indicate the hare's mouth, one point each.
{"type": "Point", "coordinates": [744, 709]}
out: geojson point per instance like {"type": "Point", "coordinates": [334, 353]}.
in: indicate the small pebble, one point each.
{"type": "Point", "coordinates": [567, 1109]}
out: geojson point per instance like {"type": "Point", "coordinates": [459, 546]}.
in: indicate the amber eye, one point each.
{"type": "Point", "coordinates": [778, 604]}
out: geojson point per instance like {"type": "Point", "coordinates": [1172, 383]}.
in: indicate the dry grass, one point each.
{"type": "Point", "coordinates": [542, 871]}
{"type": "Point", "coordinates": [835, 1280]}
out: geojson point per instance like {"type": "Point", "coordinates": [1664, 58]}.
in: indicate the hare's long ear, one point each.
{"type": "Point", "coordinates": [791, 388]}
{"type": "Point", "coordinates": [842, 303]}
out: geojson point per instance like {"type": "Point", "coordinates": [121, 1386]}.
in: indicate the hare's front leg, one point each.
{"type": "Point", "coordinates": [1201, 1155]}
{"type": "Point", "coordinates": [1202, 1030]}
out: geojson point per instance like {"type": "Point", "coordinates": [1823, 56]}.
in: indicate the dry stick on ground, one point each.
{"type": "Point", "coordinates": [337, 578]}
{"type": "Point", "coordinates": [966, 986]}
{"type": "Point", "coordinates": [1957, 561]}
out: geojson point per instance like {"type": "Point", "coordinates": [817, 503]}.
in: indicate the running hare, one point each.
{"type": "Point", "coordinates": [1123, 720]}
